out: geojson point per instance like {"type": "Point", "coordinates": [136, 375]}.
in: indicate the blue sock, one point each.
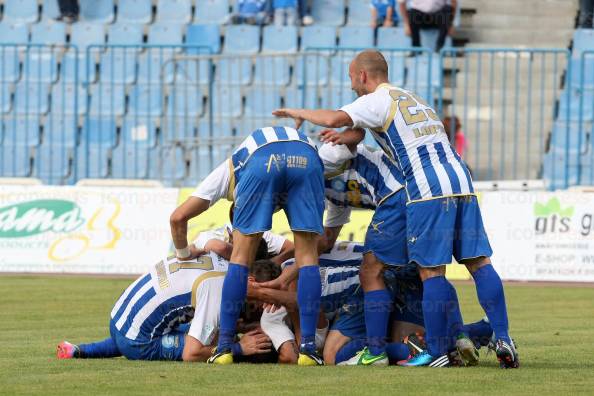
{"type": "Point", "coordinates": [397, 351]}
{"type": "Point", "coordinates": [455, 323]}
{"type": "Point", "coordinates": [436, 302]}
{"type": "Point", "coordinates": [349, 350]}
{"type": "Point", "coordinates": [309, 289]}
{"type": "Point", "coordinates": [479, 332]}
{"type": "Point", "coordinates": [97, 350]}
{"type": "Point", "coordinates": [234, 292]}
{"type": "Point", "coordinates": [377, 314]}
{"type": "Point", "coordinates": [489, 290]}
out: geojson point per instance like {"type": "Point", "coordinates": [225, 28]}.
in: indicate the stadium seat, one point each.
{"type": "Point", "coordinates": [315, 72]}
{"type": "Point", "coordinates": [273, 70]}
{"type": "Point", "coordinates": [359, 13]}
{"type": "Point", "coordinates": [570, 136]}
{"type": "Point", "coordinates": [339, 64]}
{"type": "Point", "coordinates": [99, 131]}
{"type": "Point", "coordinates": [305, 97]}
{"type": "Point", "coordinates": [200, 163]}
{"type": "Point", "coordinates": [260, 102]}
{"type": "Point", "coordinates": [391, 38]}
{"type": "Point", "coordinates": [83, 34]}
{"type": "Point", "coordinates": [63, 99]}
{"type": "Point", "coordinates": [318, 37]}
{"type": "Point", "coordinates": [355, 37]}
{"type": "Point", "coordinates": [40, 64]}
{"type": "Point", "coordinates": [396, 66]}
{"type": "Point", "coordinates": [22, 130]}
{"type": "Point", "coordinates": [329, 12]}
{"type": "Point", "coordinates": [9, 65]}
{"type": "Point", "coordinates": [167, 163]}
{"type": "Point", "coordinates": [155, 67]}
{"type": "Point", "coordinates": [135, 11]}
{"type": "Point", "coordinates": [145, 100]}
{"type": "Point", "coordinates": [587, 74]}
{"type": "Point", "coordinates": [207, 36]}
{"type": "Point", "coordinates": [184, 101]}
{"type": "Point", "coordinates": [53, 163]}
{"type": "Point", "coordinates": [61, 129]}
{"type": "Point", "coordinates": [120, 34]}
{"type": "Point", "coordinates": [429, 39]}
{"type": "Point", "coordinates": [234, 71]}
{"type": "Point", "coordinates": [212, 12]}
{"type": "Point", "coordinates": [279, 39]}
{"type": "Point", "coordinates": [175, 11]}
{"type": "Point", "coordinates": [15, 160]}
{"type": "Point", "coordinates": [570, 108]}
{"type": "Point", "coordinates": [165, 34]}
{"type": "Point", "coordinates": [560, 171]}
{"type": "Point", "coordinates": [92, 161]}
{"type": "Point", "coordinates": [97, 11]}
{"type": "Point", "coordinates": [583, 40]}
{"type": "Point", "coordinates": [422, 72]}
{"type": "Point", "coordinates": [337, 97]}
{"type": "Point", "coordinates": [226, 101]}
{"type": "Point", "coordinates": [178, 128]}
{"type": "Point", "coordinates": [20, 11]}
{"type": "Point", "coordinates": [118, 67]}
{"type": "Point", "coordinates": [130, 162]}
{"type": "Point", "coordinates": [194, 71]}
{"type": "Point", "coordinates": [50, 10]}
{"type": "Point", "coordinates": [107, 100]}
{"type": "Point", "coordinates": [139, 131]}
{"type": "Point", "coordinates": [5, 99]}
{"type": "Point", "coordinates": [48, 33]}
{"type": "Point", "coordinates": [31, 98]}
{"type": "Point", "coordinates": [13, 33]}
{"type": "Point", "coordinates": [242, 39]}
{"type": "Point", "coordinates": [73, 72]}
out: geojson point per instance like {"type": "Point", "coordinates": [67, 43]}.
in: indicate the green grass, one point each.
{"type": "Point", "coordinates": [553, 325]}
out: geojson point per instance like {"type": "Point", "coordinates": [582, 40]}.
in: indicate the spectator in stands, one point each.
{"type": "Point", "coordinates": [68, 10]}
{"type": "Point", "coordinates": [383, 13]}
{"type": "Point", "coordinates": [252, 12]}
{"type": "Point", "coordinates": [455, 135]}
{"type": "Point", "coordinates": [305, 12]}
{"type": "Point", "coordinates": [586, 14]}
{"type": "Point", "coordinates": [428, 14]}
{"type": "Point", "coordinates": [285, 12]}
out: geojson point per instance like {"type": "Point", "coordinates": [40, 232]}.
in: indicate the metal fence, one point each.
{"type": "Point", "coordinates": [175, 112]}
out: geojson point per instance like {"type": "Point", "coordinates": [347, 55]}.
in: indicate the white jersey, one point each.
{"type": "Point", "coordinates": [410, 132]}
{"type": "Point", "coordinates": [172, 293]}
{"type": "Point", "coordinates": [274, 241]}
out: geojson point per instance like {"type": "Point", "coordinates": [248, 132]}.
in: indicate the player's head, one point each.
{"type": "Point", "coordinates": [264, 270]}
{"type": "Point", "coordinates": [368, 70]}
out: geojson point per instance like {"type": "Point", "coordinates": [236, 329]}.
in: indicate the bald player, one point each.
{"type": "Point", "coordinates": [443, 216]}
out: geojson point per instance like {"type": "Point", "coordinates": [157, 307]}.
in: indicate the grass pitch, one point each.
{"type": "Point", "coordinates": [553, 326]}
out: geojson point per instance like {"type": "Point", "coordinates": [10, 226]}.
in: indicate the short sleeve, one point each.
{"type": "Point", "coordinates": [275, 242]}
{"type": "Point", "coordinates": [206, 322]}
{"type": "Point", "coordinates": [334, 157]}
{"type": "Point", "coordinates": [337, 216]}
{"type": "Point", "coordinates": [370, 111]}
{"type": "Point", "coordinates": [216, 184]}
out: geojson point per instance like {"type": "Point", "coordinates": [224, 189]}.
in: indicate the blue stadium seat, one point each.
{"type": "Point", "coordinates": [50, 10]}
{"type": "Point", "coordinates": [208, 36]}
{"type": "Point", "coordinates": [222, 152]}
{"type": "Point", "coordinates": [92, 161]}
{"type": "Point", "coordinates": [358, 37]}
{"type": "Point", "coordinates": [272, 70]}
{"type": "Point", "coordinates": [429, 39]}
{"type": "Point", "coordinates": [107, 100]}
{"type": "Point", "coordinates": [421, 74]}
{"type": "Point", "coordinates": [13, 33]}
{"type": "Point", "coordinates": [396, 66]}
{"type": "Point", "coordinates": [168, 164]}
{"type": "Point", "coordinates": [48, 33]}
{"type": "Point", "coordinates": [63, 99]}
{"type": "Point", "coordinates": [71, 72]}
{"type": "Point", "coordinates": [194, 71]}
{"type": "Point", "coordinates": [575, 104]}
{"type": "Point", "coordinates": [165, 34]}
{"type": "Point", "coordinates": [5, 98]}
{"type": "Point", "coordinates": [318, 37]}
{"type": "Point", "coordinates": [184, 101]}
{"type": "Point", "coordinates": [211, 12]}
{"type": "Point", "coordinates": [97, 11]}
{"type": "Point", "coordinates": [60, 130]}
{"type": "Point", "coordinates": [339, 64]}
{"type": "Point", "coordinates": [53, 163]}
{"type": "Point", "coordinates": [15, 160]}
{"type": "Point", "coordinates": [31, 98]}
{"type": "Point", "coordinates": [99, 131]}
{"type": "Point", "coordinates": [83, 34]}
{"type": "Point", "coordinates": [279, 39]}
{"type": "Point", "coordinates": [151, 65]}
{"type": "Point", "coordinates": [176, 11]}
{"type": "Point", "coordinates": [583, 39]}
{"type": "Point", "coordinates": [329, 12]}
{"type": "Point", "coordinates": [178, 128]}
{"type": "Point", "coordinates": [200, 164]}
{"type": "Point", "coordinates": [315, 72]}
{"type": "Point", "coordinates": [135, 11]}
{"type": "Point", "coordinates": [40, 64]}
{"type": "Point", "coordinates": [130, 162]}
{"type": "Point", "coordinates": [117, 66]}
{"type": "Point", "coordinates": [359, 13]}
{"type": "Point", "coordinates": [226, 101]}
{"type": "Point", "coordinates": [120, 34]}
{"type": "Point", "coordinates": [337, 97]}
{"type": "Point", "coordinates": [9, 64]}
{"type": "Point", "coordinates": [234, 71]}
{"type": "Point", "coordinates": [138, 131]}
{"type": "Point", "coordinates": [588, 73]}
{"type": "Point", "coordinates": [22, 130]}
{"type": "Point", "coordinates": [242, 39]}
{"type": "Point", "coordinates": [557, 169]}
{"type": "Point", "coordinates": [390, 38]}
{"type": "Point", "coordinates": [566, 136]}
{"type": "Point", "coordinates": [20, 11]}
{"type": "Point", "coordinates": [306, 97]}
{"type": "Point", "coordinates": [260, 102]}
{"type": "Point", "coordinates": [146, 100]}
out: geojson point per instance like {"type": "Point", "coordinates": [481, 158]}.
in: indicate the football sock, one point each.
{"type": "Point", "coordinates": [397, 351]}
{"type": "Point", "coordinates": [436, 299]}
{"type": "Point", "coordinates": [377, 314]}
{"type": "Point", "coordinates": [97, 350]}
{"type": "Point", "coordinates": [455, 323]}
{"type": "Point", "coordinates": [479, 332]}
{"type": "Point", "coordinates": [349, 350]}
{"type": "Point", "coordinates": [233, 297]}
{"type": "Point", "coordinates": [489, 290]}
{"type": "Point", "coordinates": [309, 289]}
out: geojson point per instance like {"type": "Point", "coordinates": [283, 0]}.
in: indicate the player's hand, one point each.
{"type": "Point", "coordinates": [270, 308]}
{"type": "Point", "coordinates": [255, 342]}
{"type": "Point", "coordinates": [194, 252]}
{"type": "Point", "coordinates": [407, 30]}
{"type": "Point", "coordinates": [331, 136]}
{"type": "Point", "coordinates": [388, 23]}
{"type": "Point", "coordinates": [289, 113]}
{"type": "Point", "coordinates": [273, 284]}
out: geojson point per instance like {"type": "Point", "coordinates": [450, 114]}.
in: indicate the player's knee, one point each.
{"type": "Point", "coordinates": [431, 272]}
{"type": "Point", "coordinates": [287, 353]}
{"type": "Point", "coordinates": [475, 264]}
{"type": "Point", "coordinates": [371, 271]}
{"type": "Point", "coordinates": [329, 356]}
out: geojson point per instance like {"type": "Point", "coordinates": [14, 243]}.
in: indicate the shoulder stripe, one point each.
{"type": "Point", "coordinates": [202, 278]}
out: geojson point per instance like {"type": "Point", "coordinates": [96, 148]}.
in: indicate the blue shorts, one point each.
{"type": "Point", "coordinates": [350, 320]}
{"type": "Point", "coordinates": [166, 347]}
{"type": "Point", "coordinates": [386, 235]}
{"type": "Point", "coordinates": [407, 288]}
{"type": "Point", "coordinates": [441, 228]}
{"type": "Point", "coordinates": [287, 175]}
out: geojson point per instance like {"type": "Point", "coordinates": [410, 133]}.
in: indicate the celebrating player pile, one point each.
{"type": "Point", "coordinates": [365, 305]}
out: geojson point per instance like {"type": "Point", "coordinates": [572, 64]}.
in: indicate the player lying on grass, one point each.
{"type": "Point", "coordinates": [342, 312]}
{"type": "Point", "coordinates": [172, 313]}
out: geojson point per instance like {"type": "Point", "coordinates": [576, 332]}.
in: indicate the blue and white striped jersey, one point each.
{"type": "Point", "coordinates": [166, 296]}
{"type": "Point", "coordinates": [409, 131]}
{"type": "Point", "coordinates": [362, 179]}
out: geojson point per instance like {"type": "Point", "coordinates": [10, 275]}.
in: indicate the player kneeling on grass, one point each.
{"type": "Point", "coordinates": [173, 313]}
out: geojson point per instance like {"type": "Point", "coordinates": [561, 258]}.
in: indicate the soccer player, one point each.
{"type": "Point", "coordinates": [443, 216]}
{"type": "Point", "coordinates": [273, 168]}
{"type": "Point", "coordinates": [151, 319]}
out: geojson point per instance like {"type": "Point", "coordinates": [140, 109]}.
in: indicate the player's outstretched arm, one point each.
{"type": "Point", "coordinates": [325, 118]}
{"type": "Point", "coordinates": [178, 221]}
{"type": "Point", "coordinates": [222, 248]}
{"type": "Point", "coordinates": [287, 252]}
{"type": "Point", "coordinates": [350, 137]}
